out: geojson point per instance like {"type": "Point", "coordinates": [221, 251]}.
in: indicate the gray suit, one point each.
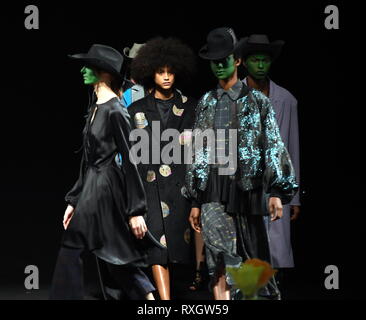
{"type": "Point", "coordinates": [285, 107]}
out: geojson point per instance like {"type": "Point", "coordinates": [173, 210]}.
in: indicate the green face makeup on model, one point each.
{"type": "Point", "coordinates": [89, 76]}
{"type": "Point", "coordinates": [258, 65]}
{"type": "Point", "coordinates": [224, 68]}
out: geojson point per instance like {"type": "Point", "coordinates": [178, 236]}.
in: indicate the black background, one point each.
{"type": "Point", "coordinates": [43, 102]}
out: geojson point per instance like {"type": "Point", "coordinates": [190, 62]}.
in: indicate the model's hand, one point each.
{"type": "Point", "coordinates": [275, 208]}
{"type": "Point", "coordinates": [295, 212]}
{"type": "Point", "coordinates": [138, 226]}
{"type": "Point", "coordinates": [69, 212]}
{"type": "Point", "coordinates": [195, 219]}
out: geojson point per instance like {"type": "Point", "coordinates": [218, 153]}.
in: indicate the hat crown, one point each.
{"type": "Point", "coordinates": [107, 54]}
{"type": "Point", "coordinates": [221, 38]}
{"type": "Point", "coordinates": [258, 39]}
{"type": "Point", "coordinates": [259, 43]}
{"type": "Point", "coordinates": [221, 42]}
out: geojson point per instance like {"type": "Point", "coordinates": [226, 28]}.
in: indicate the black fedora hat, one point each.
{"type": "Point", "coordinates": [259, 43]}
{"type": "Point", "coordinates": [221, 42]}
{"type": "Point", "coordinates": [102, 57]}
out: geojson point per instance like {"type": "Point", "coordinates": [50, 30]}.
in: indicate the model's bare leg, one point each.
{"type": "Point", "coordinates": [198, 241]}
{"type": "Point", "coordinates": [221, 289]}
{"type": "Point", "coordinates": [161, 278]}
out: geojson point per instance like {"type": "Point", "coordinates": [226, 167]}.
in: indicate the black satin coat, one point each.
{"type": "Point", "coordinates": [168, 209]}
{"type": "Point", "coordinates": [106, 193]}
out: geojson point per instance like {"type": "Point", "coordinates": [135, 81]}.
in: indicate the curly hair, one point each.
{"type": "Point", "coordinates": [158, 53]}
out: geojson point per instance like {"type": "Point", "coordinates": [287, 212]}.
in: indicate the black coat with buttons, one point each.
{"type": "Point", "coordinates": [168, 208]}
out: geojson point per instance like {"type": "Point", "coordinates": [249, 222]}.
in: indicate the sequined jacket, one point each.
{"type": "Point", "coordinates": [262, 157]}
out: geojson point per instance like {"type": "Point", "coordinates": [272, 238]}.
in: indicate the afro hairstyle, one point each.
{"type": "Point", "coordinates": [158, 53]}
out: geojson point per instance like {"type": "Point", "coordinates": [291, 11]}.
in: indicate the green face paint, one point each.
{"type": "Point", "coordinates": [258, 65]}
{"type": "Point", "coordinates": [224, 68]}
{"type": "Point", "coordinates": [89, 76]}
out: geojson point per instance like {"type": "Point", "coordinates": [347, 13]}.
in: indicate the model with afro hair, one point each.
{"type": "Point", "coordinates": [159, 52]}
{"type": "Point", "coordinates": [161, 66]}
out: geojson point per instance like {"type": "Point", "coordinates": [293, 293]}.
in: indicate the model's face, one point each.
{"type": "Point", "coordinates": [89, 76]}
{"type": "Point", "coordinates": [164, 78]}
{"type": "Point", "coordinates": [224, 68]}
{"type": "Point", "coordinates": [258, 65]}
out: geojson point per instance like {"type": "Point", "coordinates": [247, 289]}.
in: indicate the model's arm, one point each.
{"type": "Point", "coordinates": [279, 174]}
{"type": "Point", "coordinates": [72, 196]}
{"type": "Point", "coordinates": [195, 214]}
{"type": "Point", "coordinates": [135, 191]}
{"type": "Point", "coordinates": [294, 148]}
{"type": "Point", "coordinates": [136, 197]}
{"type": "Point", "coordinates": [190, 167]}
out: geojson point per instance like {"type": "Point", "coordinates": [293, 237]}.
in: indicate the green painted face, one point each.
{"type": "Point", "coordinates": [258, 65]}
{"type": "Point", "coordinates": [89, 76]}
{"type": "Point", "coordinates": [224, 68]}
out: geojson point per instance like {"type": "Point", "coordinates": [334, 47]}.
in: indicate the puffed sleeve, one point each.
{"type": "Point", "coordinates": [190, 177]}
{"type": "Point", "coordinates": [136, 196]}
{"type": "Point", "coordinates": [72, 196]}
{"type": "Point", "coordinates": [279, 175]}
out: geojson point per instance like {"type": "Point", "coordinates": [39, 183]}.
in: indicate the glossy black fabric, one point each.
{"type": "Point", "coordinates": [102, 198]}
{"type": "Point", "coordinates": [168, 189]}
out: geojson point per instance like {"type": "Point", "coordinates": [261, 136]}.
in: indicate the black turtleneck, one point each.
{"type": "Point", "coordinates": [164, 106]}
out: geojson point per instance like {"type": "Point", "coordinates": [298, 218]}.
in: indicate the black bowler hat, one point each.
{"type": "Point", "coordinates": [221, 42]}
{"type": "Point", "coordinates": [102, 57]}
{"type": "Point", "coordinates": [259, 43]}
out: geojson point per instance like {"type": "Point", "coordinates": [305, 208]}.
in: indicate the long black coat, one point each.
{"type": "Point", "coordinates": [106, 193]}
{"type": "Point", "coordinates": [168, 209]}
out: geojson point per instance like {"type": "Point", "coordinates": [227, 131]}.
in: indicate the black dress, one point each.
{"type": "Point", "coordinates": [106, 193]}
{"type": "Point", "coordinates": [168, 209]}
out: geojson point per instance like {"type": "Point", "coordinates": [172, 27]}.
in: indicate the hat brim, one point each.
{"type": "Point", "coordinates": [94, 62]}
{"type": "Point", "coordinates": [273, 49]}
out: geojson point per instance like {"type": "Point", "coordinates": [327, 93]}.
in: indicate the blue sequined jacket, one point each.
{"type": "Point", "coordinates": [262, 157]}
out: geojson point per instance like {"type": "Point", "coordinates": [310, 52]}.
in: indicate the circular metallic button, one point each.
{"type": "Point", "coordinates": [165, 209]}
{"type": "Point", "coordinates": [163, 240]}
{"type": "Point", "coordinates": [151, 176]}
{"type": "Point", "coordinates": [185, 137]}
{"type": "Point", "coordinates": [178, 112]}
{"type": "Point", "coordinates": [140, 120]}
{"type": "Point", "coordinates": [165, 170]}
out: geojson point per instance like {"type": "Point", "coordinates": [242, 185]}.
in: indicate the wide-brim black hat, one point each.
{"type": "Point", "coordinates": [102, 57]}
{"type": "Point", "coordinates": [259, 43]}
{"type": "Point", "coordinates": [221, 42]}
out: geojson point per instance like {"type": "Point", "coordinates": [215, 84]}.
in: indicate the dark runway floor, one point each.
{"type": "Point", "coordinates": [34, 239]}
{"type": "Point", "coordinates": [296, 288]}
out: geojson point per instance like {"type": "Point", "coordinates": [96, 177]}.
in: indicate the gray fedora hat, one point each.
{"type": "Point", "coordinates": [132, 52]}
